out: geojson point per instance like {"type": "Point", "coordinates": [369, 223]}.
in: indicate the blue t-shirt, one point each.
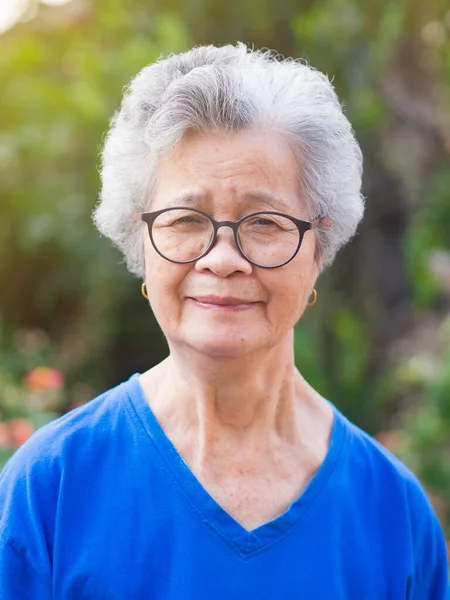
{"type": "Point", "coordinates": [99, 505]}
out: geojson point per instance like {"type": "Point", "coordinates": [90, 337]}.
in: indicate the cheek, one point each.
{"type": "Point", "coordinates": [292, 296]}
{"type": "Point", "coordinates": [159, 273]}
{"type": "Point", "coordinates": [283, 301]}
{"type": "Point", "coordinates": [163, 284]}
{"type": "Point", "coordinates": [290, 292]}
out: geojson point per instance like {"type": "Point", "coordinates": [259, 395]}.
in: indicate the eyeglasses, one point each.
{"type": "Point", "coordinates": [265, 239]}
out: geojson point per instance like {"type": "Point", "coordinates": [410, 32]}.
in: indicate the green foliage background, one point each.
{"type": "Point", "coordinates": [378, 341]}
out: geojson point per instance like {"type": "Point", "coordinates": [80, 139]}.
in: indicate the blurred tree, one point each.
{"type": "Point", "coordinates": [61, 82]}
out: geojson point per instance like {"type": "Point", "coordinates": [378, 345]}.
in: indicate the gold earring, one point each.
{"type": "Point", "coordinates": [144, 290]}
{"type": "Point", "coordinates": [314, 300]}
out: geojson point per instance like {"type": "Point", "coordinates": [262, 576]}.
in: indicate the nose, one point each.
{"type": "Point", "coordinates": [224, 257]}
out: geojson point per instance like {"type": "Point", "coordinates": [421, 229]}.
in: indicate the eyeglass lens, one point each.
{"type": "Point", "coordinates": [182, 235]}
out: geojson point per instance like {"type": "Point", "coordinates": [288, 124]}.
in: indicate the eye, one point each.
{"type": "Point", "coordinates": [262, 221]}
{"type": "Point", "coordinates": [181, 219]}
{"type": "Point", "coordinates": [268, 223]}
{"type": "Point", "coordinates": [187, 219]}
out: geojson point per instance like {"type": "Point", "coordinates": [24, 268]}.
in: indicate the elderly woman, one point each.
{"type": "Point", "coordinates": [230, 179]}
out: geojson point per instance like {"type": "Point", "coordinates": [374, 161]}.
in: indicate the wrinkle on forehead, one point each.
{"type": "Point", "coordinates": [239, 163]}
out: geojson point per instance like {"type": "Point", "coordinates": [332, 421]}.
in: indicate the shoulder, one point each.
{"type": "Point", "coordinates": [43, 455]}
{"type": "Point", "coordinates": [367, 452]}
{"type": "Point", "coordinates": [31, 482]}
{"type": "Point", "coordinates": [378, 466]}
{"type": "Point", "coordinates": [36, 477]}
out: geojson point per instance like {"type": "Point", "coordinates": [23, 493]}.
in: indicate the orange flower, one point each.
{"type": "Point", "coordinates": [15, 432]}
{"type": "Point", "coordinates": [19, 431]}
{"type": "Point", "coordinates": [44, 378]}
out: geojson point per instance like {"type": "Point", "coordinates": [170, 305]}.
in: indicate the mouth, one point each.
{"type": "Point", "coordinates": [222, 303]}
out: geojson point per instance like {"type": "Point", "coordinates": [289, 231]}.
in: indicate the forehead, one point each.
{"type": "Point", "coordinates": [240, 166]}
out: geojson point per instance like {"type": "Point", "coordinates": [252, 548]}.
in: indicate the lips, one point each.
{"type": "Point", "coordinates": [222, 300]}
{"type": "Point", "coordinates": [222, 303]}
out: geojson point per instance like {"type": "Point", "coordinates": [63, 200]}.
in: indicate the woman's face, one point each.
{"type": "Point", "coordinates": [221, 305]}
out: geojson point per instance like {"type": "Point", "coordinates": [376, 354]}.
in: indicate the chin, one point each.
{"type": "Point", "coordinates": [223, 346]}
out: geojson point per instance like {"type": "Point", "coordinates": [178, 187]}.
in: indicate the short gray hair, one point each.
{"type": "Point", "coordinates": [230, 87]}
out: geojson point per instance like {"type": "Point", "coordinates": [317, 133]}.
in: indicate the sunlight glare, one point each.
{"type": "Point", "coordinates": [12, 10]}
{"type": "Point", "coordinates": [10, 13]}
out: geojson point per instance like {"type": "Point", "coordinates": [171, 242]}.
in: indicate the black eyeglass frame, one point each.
{"type": "Point", "coordinates": [302, 226]}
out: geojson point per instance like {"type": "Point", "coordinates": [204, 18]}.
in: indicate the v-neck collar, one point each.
{"type": "Point", "coordinates": [246, 543]}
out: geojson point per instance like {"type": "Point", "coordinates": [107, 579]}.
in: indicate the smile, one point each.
{"type": "Point", "coordinates": [217, 303]}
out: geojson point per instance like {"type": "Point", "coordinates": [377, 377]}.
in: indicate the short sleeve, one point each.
{"type": "Point", "coordinates": [27, 509]}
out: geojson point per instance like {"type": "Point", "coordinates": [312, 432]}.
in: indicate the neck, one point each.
{"type": "Point", "coordinates": [250, 400]}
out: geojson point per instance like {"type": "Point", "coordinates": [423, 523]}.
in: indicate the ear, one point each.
{"type": "Point", "coordinates": [326, 223]}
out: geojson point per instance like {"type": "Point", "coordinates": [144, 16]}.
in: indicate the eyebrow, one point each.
{"type": "Point", "coordinates": [185, 199]}
{"type": "Point", "coordinates": [260, 198]}
{"type": "Point", "coordinates": [268, 200]}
